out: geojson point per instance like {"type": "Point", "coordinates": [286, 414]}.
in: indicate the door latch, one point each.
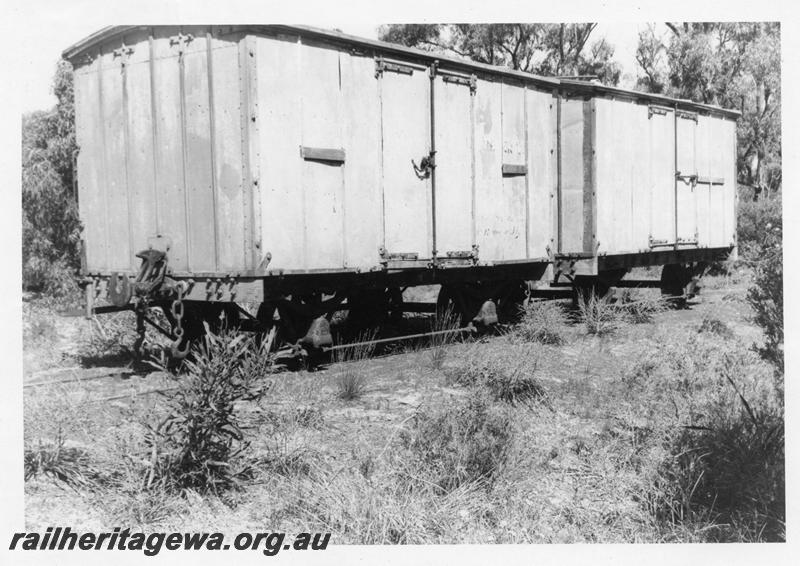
{"type": "Point", "coordinates": [426, 165]}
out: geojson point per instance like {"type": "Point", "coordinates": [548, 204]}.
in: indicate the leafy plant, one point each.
{"type": "Point", "coordinates": [50, 223]}
{"type": "Point", "coordinates": [765, 295]}
{"type": "Point", "coordinates": [199, 443]}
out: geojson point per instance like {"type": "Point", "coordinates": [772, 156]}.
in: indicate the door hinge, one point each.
{"type": "Point", "coordinates": [381, 65]}
{"type": "Point", "coordinates": [470, 81]}
{"type": "Point", "coordinates": [657, 110]}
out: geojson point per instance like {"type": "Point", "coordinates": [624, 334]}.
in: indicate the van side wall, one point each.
{"type": "Point", "coordinates": [161, 129]}
{"type": "Point", "coordinates": [495, 159]}
{"type": "Point", "coordinates": [636, 188]}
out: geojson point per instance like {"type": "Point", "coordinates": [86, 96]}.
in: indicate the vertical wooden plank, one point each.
{"type": "Point", "coordinates": [88, 133]}
{"type": "Point", "coordinates": [589, 176]}
{"type": "Point", "coordinates": [231, 202]}
{"type": "Point", "coordinates": [687, 165]}
{"type": "Point", "coordinates": [488, 170]}
{"type": "Point", "coordinates": [169, 147]}
{"type": "Point", "coordinates": [703, 190]}
{"type": "Point", "coordinates": [361, 113]}
{"type": "Point", "coordinates": [199, 159]}
{"type": "Point", "coordinates": [322, 183]}
{"type": "Point", "coordinates": [572, 176]}
{"type": "Point", "coordinates": [120, 256]}
{"type": "Point", "coordinates": [277, 61]}
{"type": "Point", "coordinates": [453, 166]}
{"type": "Point", "coordinates": [611, 159]}
{"type": "Point", "coordinates": [639, 178]}
{"type": "Point", "coordinates": [728, 146]}
{"type": "Point", "coordinates": [251, 157]}
{"type": "Point", "coordinates": [541, 170]}
{"type": "Point", "coordinates": [140, 157]}
{"type": "Point", "coordinates": [662, 176]}
{"type": "Point", "coordinates": [406, 137]}
{"type": "Point", "coordinates": [511, 212]}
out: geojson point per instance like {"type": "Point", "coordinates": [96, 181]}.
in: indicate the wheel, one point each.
{"type": "Point", "coordinates": [511, 302]}
{"type": "Point", "coordinates": [449, 308]}
{"type": "Point", "coordinates": [675, 278]}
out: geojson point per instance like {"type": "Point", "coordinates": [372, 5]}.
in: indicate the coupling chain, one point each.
{"type": "Point", "coordinates": [177, 311]}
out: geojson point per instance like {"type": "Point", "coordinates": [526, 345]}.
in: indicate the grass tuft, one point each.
{"type": "Point", "coordinates": [542, 322]}
{"type": "Point", "coordinates": [350, 385]}
{"type": "Point", "coordinates": [459, 442]}
{"type": "Point", "coordinates": [597, 314]}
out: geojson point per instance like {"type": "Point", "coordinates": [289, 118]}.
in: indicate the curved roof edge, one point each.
{"type": "Point", "coordinates": [111, 32]}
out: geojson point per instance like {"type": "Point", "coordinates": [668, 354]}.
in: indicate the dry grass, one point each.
{"type": "Point", "coordinates": [598, 315]}
{"type": "Point", "coordinates": [671, 437]}
{"type": "Point", "coordinates": [543, 322]}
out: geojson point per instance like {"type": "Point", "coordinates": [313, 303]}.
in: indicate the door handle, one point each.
{"type": "Point", "coordinates": [426, 165]}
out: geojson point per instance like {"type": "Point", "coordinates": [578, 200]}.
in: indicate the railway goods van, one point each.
{"type": "Point", "coordinates": [310, 172]}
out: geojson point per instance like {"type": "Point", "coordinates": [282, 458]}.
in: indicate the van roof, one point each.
{"type": "Point", "coordinates": [571, 85]}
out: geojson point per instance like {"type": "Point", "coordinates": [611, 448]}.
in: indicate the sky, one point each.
{"type": "Point", "coordinates": [38, 62]}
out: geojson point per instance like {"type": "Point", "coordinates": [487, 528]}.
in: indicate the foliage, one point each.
{"type": "Point", "coordinates": [597, 314]}
{"type": "Point", "coordinates": [53, 420]}
{"type": "Point", "coordinates": [350, 385]}
{"type": "Point", "coordinates": [50, 224]}
{"type": "Point", "coordinates": [459, 442]}
{"type": "Point", "coordinates": [766, 293]}
{"type": "Point", "coordinates": [544, 49]}
{"type": "Point", "coordinates": [197, 445]}
{"type": "Point", "coordinates": [754, 218]}
{"type": "Point", "coordinates": [733, 65]}
{"type": "Point", "coordinates": [543, 322]}
{"type": "Point", "coordinates": [639, 308]}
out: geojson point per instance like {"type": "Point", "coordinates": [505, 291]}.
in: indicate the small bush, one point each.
{"type": "Point", "coordinates": [765, 295]}
{"type": "Point", "coordinates": [199, 443]}
{"type": "Point", "coordinates": [350, 385]}
{"type": "Point", "coordinates": [597, 314]}
{"type": "Point", "coordinates": [715, 326]}
{"type": "Point", "coordinates": [54, 422]}
{"type": "Point", "coordinates": [110, 338]}
{"type": "Point", "coordinates": [459, 442]}
{"type": "Point", "coordinates": [639, 309]}
{"type": "Point", "coordinates": [543, 322]}
{"type": "Point", "coordinates": [753, 217]}
{"type": "Point", "coordinates": [66, 464]}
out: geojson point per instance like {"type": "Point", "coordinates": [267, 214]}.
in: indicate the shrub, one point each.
{"type": "Point", "coordinates": [350, 385]}
{"type": "Point", "coordinates": [765, 295]}
{"type": "Point", "coordinates": [715, 326]}
{"type": "Point", "coordinates": [597, 314]}
{"type": "Point", "coordinates": [543, 322]}
{"type": "Point", "coordinates": [639, 309]}
{"type": "Point", "coordinates": [753, 217]}
{"type": "Point", "coordinates": [53, 423]}
{"type": "Point", "coordinates": [459, 442]}
{"type": "Point", "coordinates": [199, 443]}
{"type": "Point", "coordinates": [721, 477]}
{"type": "Point", "coordinates": [50, 223]}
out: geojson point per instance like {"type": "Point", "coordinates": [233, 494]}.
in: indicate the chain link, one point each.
{"type": "Point", "coordinates": [177, 311]}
